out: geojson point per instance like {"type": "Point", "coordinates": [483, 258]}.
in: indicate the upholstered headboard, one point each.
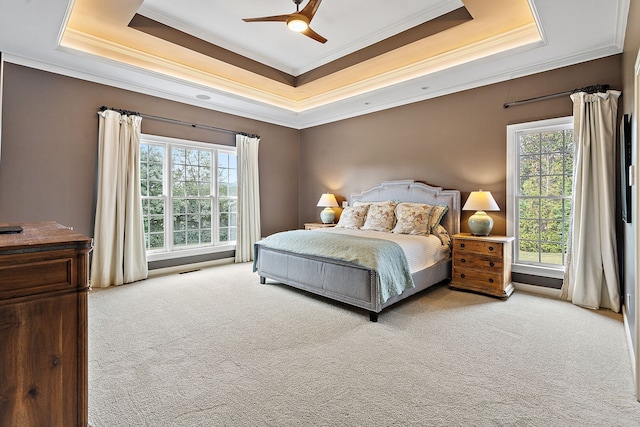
{"type": "Point", "coordinates": [416, 192]}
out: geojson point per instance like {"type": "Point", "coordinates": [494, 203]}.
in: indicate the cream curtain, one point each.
{"type": "Point", "coordinates": [119, 254]}
{"type": "Point", "coordinates": [591, 275]}
{"type": "Point", "coordinates": [248, 197]}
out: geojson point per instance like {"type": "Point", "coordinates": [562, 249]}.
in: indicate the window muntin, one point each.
{"type": "Point", "coordinates": [187, 204]}
{"type": "Point", "coordinates": [540, 169]}
{"type": "Point", "coordinates": [152, 160]}
{"type": "Point", "coordinates": [227, 196]}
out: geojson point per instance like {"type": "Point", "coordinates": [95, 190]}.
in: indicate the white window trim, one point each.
{"type": "Point", "coordinates": [158, 255]}
{"type": "Point", "coordinates": [512, 184]}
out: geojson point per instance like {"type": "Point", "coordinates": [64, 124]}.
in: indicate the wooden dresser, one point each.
{"type": "Point", "coordinates": [482, 264]}
{"type": "Point", "coordinates": [43, 326]}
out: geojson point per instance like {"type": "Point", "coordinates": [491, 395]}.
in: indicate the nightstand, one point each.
{"type": "Point", "coordinates": [315, 225]}
{"type": "Point", "coordinates": [482, 264]}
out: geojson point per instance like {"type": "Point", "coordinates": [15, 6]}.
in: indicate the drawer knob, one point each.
{"type": "Point", "coordinates": [462, 245]}
{"type": "Point", "coordinates": [490, 248]}
{"type": "Point", "coordinates": [491, 264]}
{"type": "Point", "coordinates": [462, 275]}
{"type": "Point", "coordinates": [463, 260]}
{"type": "Point", "coordinates": [490, 280]}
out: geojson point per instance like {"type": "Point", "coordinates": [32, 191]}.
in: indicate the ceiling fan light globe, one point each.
{"type": "Point", "coordinates": [298, 23]}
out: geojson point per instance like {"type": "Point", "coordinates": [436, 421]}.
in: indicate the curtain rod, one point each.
{"type": "Point", "coordinates": [176, 121]}
{"type": "Point", "coordinates": [587, 89]}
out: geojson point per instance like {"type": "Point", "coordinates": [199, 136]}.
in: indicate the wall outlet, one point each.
{"type": "Point", "coordinates": [345, 204]}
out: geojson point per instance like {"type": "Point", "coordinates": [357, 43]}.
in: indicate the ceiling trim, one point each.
{"type": "Point", "coordinates": [307, 121]}
{"type": "Point", "coordinates": [516, 38]}
{"type": "Point", "coordinates": [188, 41]}
{"type": "Point", "coordinates": [74, 71]}
{"type": "Point", "coordinates": [180, 38]}
{"type": "Point", "coordinates": [280, 95]}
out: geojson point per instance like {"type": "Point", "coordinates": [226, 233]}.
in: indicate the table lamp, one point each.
{"type": "Point", "coordinates": [327, 201]}
{"type": "Point", "coordinates": [480, 201]}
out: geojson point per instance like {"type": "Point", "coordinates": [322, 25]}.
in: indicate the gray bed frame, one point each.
{"type": "Point", "coordinates": [353, 284]}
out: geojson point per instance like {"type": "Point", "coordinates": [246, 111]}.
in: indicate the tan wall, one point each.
{"type": "Point", "coordinates": [455, 141]}
{"type": "Point", "coordinates": [49, 148]}
{"type": "Point", "coordinates": [49, 155]}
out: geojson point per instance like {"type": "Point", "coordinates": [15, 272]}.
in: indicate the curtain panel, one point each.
{"type": "Point", "coordinates": [119, 254]}
{"type": "Point", "coordinates": [248, 197]}
{"type": "Point", "coordinates": [591, 274]}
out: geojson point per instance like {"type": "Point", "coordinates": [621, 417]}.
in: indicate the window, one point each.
{"type": "Point", "coordinates": [539, 182]}
{"type": "Point", "coordinates": [189, 196]}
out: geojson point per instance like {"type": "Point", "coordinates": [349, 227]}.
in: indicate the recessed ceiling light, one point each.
{"type": "Point", "coordinates": [202, 96]}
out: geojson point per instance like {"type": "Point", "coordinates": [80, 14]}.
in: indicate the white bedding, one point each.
{"type": "Point", "coordinates": [421, 251]}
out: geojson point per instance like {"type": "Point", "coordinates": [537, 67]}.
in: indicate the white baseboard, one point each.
{"type": "Point", "coordinates": [538, 290]}
{"type": "Point", "coordinates": [189, 267]}
{"type": "Point", "coordinates": [627, 332]}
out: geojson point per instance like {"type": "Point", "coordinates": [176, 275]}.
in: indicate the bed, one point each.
{"type": "Point", "coordinates": [311, 261]}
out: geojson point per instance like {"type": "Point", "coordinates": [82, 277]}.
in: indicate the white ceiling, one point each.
{"type": "Point", "coordinates": [573, 31]}
{"type": "Point", "coordinates": [348, 26]}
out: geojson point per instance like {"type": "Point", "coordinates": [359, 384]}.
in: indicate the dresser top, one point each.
{"type": "Point", "coordinates": [41, 236]}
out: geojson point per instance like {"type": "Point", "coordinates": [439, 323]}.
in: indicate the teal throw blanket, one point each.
{"type": "Point", "coordinates": [385, 257]}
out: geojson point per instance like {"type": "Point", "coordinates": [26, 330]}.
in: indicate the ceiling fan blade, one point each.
{"type": "Point", "coordinates": [317, 37]}
{"type": "Point", "coordinates": [276, 18]}
{"type": "Point", "coordinates": [311, 8]}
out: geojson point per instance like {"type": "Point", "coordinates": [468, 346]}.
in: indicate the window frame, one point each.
{"type": "Point", "coordinates": [560, 123]}
{"type": "Point", "coordinates": [169, 252]}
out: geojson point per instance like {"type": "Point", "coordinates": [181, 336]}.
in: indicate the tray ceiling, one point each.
{"type": "Point", "coordinates": [378, 55]}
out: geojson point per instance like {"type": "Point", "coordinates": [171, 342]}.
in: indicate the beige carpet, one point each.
{"type": "Point", "coordinates": [216, 348]}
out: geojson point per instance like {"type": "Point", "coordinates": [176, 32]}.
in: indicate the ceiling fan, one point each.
{"type": "Point", "coordinates": [298, 21]}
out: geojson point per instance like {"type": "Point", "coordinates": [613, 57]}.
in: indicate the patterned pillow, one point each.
{"type": "Point", "coordinates": [443, 235]}
{"type": "Point", "coordinates": [380, 217]}
{"type": "Point", "coordinates": [437, 213]}
{"type": "Point", "coordinates": [412, 218]}
{"type": "Point", "coordinates": [353, 216]}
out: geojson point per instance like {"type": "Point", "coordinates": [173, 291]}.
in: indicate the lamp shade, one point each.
{"type": "Point", "coordinates": [480, 201]}
{"type": "Point", "coordinates": [327, 201]}
{"type": "Point", "coordinates": [480, 223]}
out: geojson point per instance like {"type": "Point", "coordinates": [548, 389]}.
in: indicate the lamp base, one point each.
{"type": "Point", "coordinates": [480, 224]}
{"type": "Point", "coordinates": [328, 216]}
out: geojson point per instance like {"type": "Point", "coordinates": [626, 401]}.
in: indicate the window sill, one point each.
{"type": "Point", "coordinates": [183, 253]}
{"type": "Point", "coordinates": [555, 273]}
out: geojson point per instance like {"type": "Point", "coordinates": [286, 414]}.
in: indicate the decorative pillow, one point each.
{"type": "Point", "coordinates": [412, 218]}
{"type": "Point", "coordinates": [443, 235]}
{"type": "Point", "coordinates": [380, 217]}
{"type": "Point", "coordinates": [353, 216]}
{"type": "Point", "coordinates": [437, 213]}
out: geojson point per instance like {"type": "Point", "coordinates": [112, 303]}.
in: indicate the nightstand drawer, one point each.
{"type": "Point", "coordinates": [484, 278]}
{"type": "Point", "coordinates": [479, 247]}
{"type": "Point", "coordinates": [479, 262]}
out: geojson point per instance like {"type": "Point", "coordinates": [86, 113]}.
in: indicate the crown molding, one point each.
{"type": "Point", "coordinates": [283, 96]}
{"type": "Point", "coordinates": [270, 114]}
